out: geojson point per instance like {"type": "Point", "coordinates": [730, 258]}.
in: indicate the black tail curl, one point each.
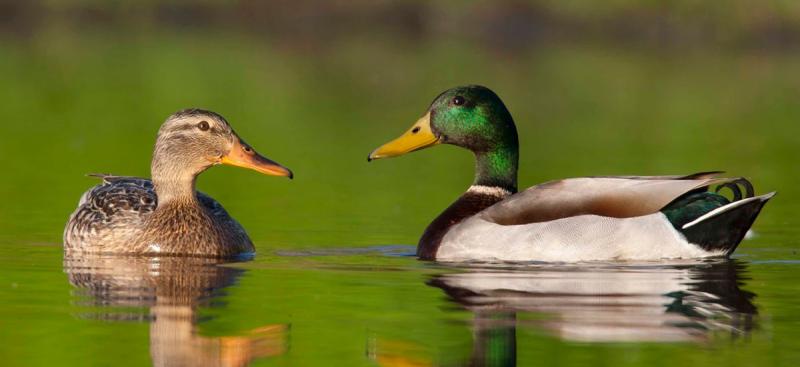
{"type": "Point", "coordinates": [734, 184]}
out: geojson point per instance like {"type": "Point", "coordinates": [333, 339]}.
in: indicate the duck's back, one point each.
{"type": "Point", "coordinates": [110, 213]}
{"type": "Point", "coordinates": [112, 218]}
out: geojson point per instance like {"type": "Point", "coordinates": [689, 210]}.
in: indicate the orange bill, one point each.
{"type": "Point", "coordinates": [242, 155]}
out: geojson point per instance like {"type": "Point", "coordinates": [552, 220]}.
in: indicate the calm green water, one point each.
{"type": "Point", "coordinates": [332, 283]}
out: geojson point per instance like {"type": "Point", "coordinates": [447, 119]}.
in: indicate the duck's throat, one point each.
{"type": "Point", "coordinates": [174, 175]}
{"type": "Point", "coordinates": [497, 168]}
{"type": "Point", "coordinates": [175, 190]}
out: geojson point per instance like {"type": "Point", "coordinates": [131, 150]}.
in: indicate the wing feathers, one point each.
{"type": "Point", "coordinates": [619, 197]}
{"type": "Point", "coordinates": [693, 176]}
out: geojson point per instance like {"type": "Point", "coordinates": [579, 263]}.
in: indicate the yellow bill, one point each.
{"type": "Point", "coordinates": [417, 137]}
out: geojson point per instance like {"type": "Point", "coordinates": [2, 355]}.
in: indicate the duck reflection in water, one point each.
{"type": "Point", "coordinates": [172, 288]}
{"type": "Point", "coordinates": [690, 302]}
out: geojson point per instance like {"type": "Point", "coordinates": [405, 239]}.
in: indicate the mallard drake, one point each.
{"type": "Point", "coordinates": [165, 215]}
{"type": "Point", "coordinates": [577, 219]}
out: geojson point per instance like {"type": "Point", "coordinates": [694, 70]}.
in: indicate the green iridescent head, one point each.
{"type": "Point", "coordinates": [472, 117]}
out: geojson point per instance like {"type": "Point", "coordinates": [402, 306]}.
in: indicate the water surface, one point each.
{"type": "Point", "coordinates": [332, 282]}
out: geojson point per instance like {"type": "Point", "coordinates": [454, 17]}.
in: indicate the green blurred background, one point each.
{"type": "Point", "coordinates": [596, 88]}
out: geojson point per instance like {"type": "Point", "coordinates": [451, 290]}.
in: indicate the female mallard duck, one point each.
{"type": "Point", "coordinates": [166, 215]}
{"type": "Point", "coordinates": [577, 219]}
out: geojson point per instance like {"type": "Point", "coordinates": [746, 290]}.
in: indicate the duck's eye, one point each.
{"type": "Point", "coordinates": [203, 125]}
{"type": "Point", "coordinates": [458, 100]}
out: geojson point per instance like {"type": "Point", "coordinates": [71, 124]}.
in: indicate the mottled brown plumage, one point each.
{"type": "Point", "coordinates": [166, 215]}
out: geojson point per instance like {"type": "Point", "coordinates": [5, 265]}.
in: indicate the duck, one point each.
{"type": "Point", "coordinates": [166, 215]}
{"type": "Point", "coordinates": [598, 218]}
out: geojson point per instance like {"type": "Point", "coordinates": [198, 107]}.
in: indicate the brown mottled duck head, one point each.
{"type": "Point", "coordinates": [192, 140]}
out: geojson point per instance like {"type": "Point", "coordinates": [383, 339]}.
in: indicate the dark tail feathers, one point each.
{"type": "Point", "coordinates": [723, 228]}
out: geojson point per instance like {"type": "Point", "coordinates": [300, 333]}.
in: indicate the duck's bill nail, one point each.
{"type": "Point", "coordinates": [242, 155]}
{"type": "Point", "coordinates": [417, 137]}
